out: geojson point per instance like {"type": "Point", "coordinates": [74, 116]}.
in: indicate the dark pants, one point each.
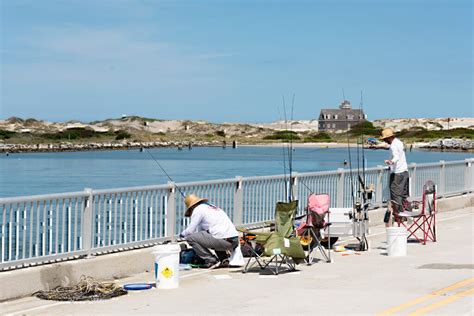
{"type": "Point", "coordinates": [399, 188]}
{"type": "Point", "coordinates": [202, 243]}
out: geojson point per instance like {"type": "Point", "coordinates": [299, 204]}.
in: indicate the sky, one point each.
{"type": "Point", "coordinates": [234, 61]}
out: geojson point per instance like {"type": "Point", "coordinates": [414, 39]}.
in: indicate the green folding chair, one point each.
{"type": "Point", "coordinates": [281, 248]}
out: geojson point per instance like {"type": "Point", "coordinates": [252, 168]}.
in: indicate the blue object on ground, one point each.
{"type": "Point", "coordinates": [137, 286]}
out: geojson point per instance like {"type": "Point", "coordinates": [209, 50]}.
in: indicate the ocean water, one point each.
{"type": "Point", "coordinates": [44, 173]}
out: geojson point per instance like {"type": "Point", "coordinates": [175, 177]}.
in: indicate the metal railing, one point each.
{"type": "Point", "coordinates": [47, 228]}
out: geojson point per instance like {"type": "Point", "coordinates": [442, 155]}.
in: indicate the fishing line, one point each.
{"type": "Point", "coordinates": [304, 184]}
{"type": "Point", "coordinates": [164, 171]}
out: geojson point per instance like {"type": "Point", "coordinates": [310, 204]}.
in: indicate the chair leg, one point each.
{"type": "Point", "coordinates": [257, 258]}
{"type": "Point", "coordinates": [414, 227]}
{"type": "Point", "coordinates": [309, 258]}
{"type": "Point", "coordinates": [319, 246]}
{"type": "Point", "coordinates": [425, 233]}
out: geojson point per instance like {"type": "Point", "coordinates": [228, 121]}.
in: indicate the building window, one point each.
{"type": "Point", "coordinates": [350, 117]}
{"type": "Point", "coordinates": [335, 117]}
{"type": "Point", "coordinates": [334, 125]}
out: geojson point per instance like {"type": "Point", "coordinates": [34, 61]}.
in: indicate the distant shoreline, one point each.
{"type": "Point", "coordinates": [69, 147]}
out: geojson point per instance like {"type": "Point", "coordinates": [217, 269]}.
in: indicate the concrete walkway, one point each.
{"type": "Point", "coordinates": [434, 279]}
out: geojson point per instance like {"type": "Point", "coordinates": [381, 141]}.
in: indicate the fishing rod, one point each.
{"type": "Point", "coordinates": [364, 165]}
{"type": "Point", "coordinates": [283, 147]}
{"type": "Point", "coordinates": [360, 204]}
{"type": "Point", "coordinates": [350, 158]}
{"type": "Point", "coordinates": [164, 171]}
{"type": "Point", "coordinates": [290, 157]}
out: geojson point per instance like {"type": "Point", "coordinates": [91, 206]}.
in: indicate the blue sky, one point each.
{"type": "Point", "coordinates": [234, 60]}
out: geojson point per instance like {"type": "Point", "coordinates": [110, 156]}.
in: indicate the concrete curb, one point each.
{"type": "Point", "coordinates": [24, 282]}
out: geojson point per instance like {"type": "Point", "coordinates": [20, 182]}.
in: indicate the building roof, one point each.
{"type": "Point", "coordinates": [341, 111]}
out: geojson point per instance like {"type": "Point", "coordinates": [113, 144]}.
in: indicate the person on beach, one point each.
{"type": "Point", "coordinates": [398, 182]}
{"type": "Point", "coordinates": [210, 229]}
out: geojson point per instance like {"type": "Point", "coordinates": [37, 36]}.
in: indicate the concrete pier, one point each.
{"type": "Point", "coordinates": [435, 278]}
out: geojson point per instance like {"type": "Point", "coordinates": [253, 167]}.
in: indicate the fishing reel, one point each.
{"type": "Point", "coordinates": [369, 191]}
{"type": "Point", "coordinates": [356, 211]}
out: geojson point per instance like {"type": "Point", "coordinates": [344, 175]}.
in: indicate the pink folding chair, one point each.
{"type": "Point", "coordinates": [312, 224]}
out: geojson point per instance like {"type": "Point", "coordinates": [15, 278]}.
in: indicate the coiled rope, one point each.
{"type": "Point", "coordinates": [88, 289]}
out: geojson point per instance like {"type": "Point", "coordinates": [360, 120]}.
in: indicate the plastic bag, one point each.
{"type": "Point", "coordinates": [236, 258]}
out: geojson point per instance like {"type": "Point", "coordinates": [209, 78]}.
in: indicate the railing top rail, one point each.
{"type": "Point", "coordinates": [21, 199]}
{"type": "Point", "coordinates": [457, 162]}
{"type": "Point", "coordinates": [43, 197]}
{"type": "Point", "coordinates": [206, 182]}
{"type": "Point", "coordinates": [438, 163]}
{"type": "Point", "coordinates": [131, 189]}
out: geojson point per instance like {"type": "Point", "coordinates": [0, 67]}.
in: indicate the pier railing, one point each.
{"type": "Point", "coordinates": [49, 228]}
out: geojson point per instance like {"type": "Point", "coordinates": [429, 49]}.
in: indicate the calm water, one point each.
{"type": "Point", "coordinates": [43, 173]}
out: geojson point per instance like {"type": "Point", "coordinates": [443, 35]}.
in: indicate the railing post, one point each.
{"type": "Point", "coordinates": [379, 187]}
{"type": "Point", "coordinates": [442, 178]}
{"type": "Point", "coordinates": [340, 188]}
{"type": "Point", "coordinates": [468, 176]}
{"type": "Point", "coordinates": [294, 186]}
{"type": "Point", "coordinates": [412, 181]}
{"type": "Point", "coordinates": [88, 222]}
{"type": "Point", "coordinates": [238, 202]}
{"type": "Point", "coordinates": [171, 212]}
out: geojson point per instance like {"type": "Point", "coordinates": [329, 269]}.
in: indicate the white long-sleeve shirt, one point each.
{"type": "Point", "coordinates": [212, 219]}
{"type": "Point", "coordinates": [398, 157]}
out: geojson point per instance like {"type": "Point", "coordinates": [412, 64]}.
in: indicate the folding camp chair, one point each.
{"type": "Point", "coordinates": [423, 214]}
{"type": "Point", "coordinates": [313, 224]}
{"type": "Point", "coordinates": [280, 248]}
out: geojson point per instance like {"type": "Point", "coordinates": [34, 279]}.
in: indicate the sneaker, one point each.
{"type": "Point", "coordinates": [211, 265]}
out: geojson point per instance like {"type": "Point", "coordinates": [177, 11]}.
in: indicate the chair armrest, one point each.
{"type": "Point", "coordinates": [242, 229]}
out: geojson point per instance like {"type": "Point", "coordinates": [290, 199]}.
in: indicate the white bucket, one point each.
{"type": "Point", "coordinates": [396, 241]}
{"type": "Point", "coordinates": [167, 266]}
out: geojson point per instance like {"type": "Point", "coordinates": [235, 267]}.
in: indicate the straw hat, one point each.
{"type": "Point", "coordinates": [190, 201]}
{"type": "Point", "coordinates": [386, 133]}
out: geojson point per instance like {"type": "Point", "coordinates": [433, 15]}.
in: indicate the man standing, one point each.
{"type": "Point", "coordinates": [210, 228]}
{"type": "Point", "coordinates": [398, 182]}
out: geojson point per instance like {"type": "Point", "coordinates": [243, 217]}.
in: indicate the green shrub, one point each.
{"type": "Point", "coordinates": [122, 135]}
{"type": "Point", "coordinates": [283, 135]}
{"type": "Point", "coordinates": [6, 134]}
{"type": "Point", "coordinates": [421, 134]}
{"type": "Point", "coordinates": [71, 134]}
{"type": "Point", "coordinates": [319, 137]}
{"type": "Point", "coordinates": [365, 128]}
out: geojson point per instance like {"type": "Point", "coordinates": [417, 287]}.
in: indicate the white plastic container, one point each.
{"type": "Point", "coordinates": [396, 241]}
{"type": "Point", "coordinates": [167, 266]}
